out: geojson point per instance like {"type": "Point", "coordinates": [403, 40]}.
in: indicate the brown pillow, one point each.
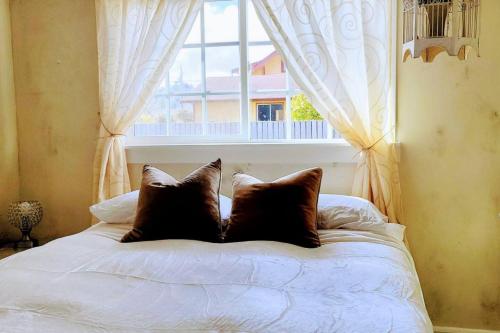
{"type": "Point", "coordinates": [284, 210]}
{"type": "Point", "coordinates": [186, 209]}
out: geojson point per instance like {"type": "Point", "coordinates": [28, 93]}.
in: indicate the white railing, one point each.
{"type": "Point", "coordinates": [259, 130]}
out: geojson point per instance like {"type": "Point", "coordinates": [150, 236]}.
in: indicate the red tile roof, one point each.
{"type": "Point", "coordinates": [259, 87]}
{"type": "Point", "coordinates": [259, 84]}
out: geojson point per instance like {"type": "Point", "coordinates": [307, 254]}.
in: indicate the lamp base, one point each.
{"type": "Point", "coordinates": [25, 244]}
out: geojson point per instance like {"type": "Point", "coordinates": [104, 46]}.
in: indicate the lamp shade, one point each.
{"type": "Point", "coordinates": [25, 214]}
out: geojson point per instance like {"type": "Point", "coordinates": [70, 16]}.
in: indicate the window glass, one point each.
{"type": "Point", "coordinates": [223, 69]}
{"type": "Point", "coordinates": [256, 32]}
{"type": "Point", "coordinates": [221, 21]}
{"type": "Point", "coordinates": [223, 112]}
{"type": "Point", "coordinates": [185, 73]}
{"type": "Point", "coordinates": [186, 116]}
{"type": "Point", "coordinates": [202, 97]}
{"type": "Point", "coordinates": [264, 112]}
{"type": "Point", "coordinates": [194, 36]}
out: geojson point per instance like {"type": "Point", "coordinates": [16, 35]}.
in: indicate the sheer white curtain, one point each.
{"type": "Point", "coordinates": [137, 42]}
{"type": "Point", "coordinates": [338, 52]}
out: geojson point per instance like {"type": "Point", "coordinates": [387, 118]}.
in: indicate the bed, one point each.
{"type": "Point", "coordinates": [357, 281]}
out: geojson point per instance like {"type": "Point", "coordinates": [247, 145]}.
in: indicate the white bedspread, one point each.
{"type": "Point", "coordinates": [89, 282]}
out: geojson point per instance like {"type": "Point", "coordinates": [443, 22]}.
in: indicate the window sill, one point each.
{"type": "Point", "coordinates": [285, 152]}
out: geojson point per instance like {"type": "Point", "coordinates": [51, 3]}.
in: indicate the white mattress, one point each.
{"type": "Point", "coordinates": [89, 282]}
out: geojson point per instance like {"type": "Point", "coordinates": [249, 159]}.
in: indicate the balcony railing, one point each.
{"type": "Point", "coordinates": [259, 130]}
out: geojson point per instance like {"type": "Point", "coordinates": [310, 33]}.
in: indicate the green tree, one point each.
{"type": "Point", "coordinates": [302, 109]}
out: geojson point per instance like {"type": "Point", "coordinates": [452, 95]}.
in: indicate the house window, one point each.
{"type": "Point", "coordinates": [269, 112]}
{"type": "Point", "coordinates": [229, 83]}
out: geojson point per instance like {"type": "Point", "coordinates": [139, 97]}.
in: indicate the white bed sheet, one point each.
{"type": "Point", "coordinates": [89, 282]}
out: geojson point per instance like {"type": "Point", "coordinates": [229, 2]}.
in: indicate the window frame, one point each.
{"type": "Point", "coordinates": [138, 145]}
{"type": "Point", "coordinates": [244, 94]}
{"type": "Point", "coordinates": [164, 149]}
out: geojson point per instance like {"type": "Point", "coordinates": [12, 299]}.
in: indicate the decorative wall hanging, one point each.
{"type": "Point", "coordinates": [433, 26]}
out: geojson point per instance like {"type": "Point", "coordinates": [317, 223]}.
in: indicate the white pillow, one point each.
{"type": "Point", "coordinates": [225, 204]}
{"type": "Point", "coordinates": [346, 212]}
{"type": "Point", "coordinates": [122, 208]}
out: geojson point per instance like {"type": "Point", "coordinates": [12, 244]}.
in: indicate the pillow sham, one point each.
{"type": "Point", "coordinates": [171, 209]}
{"type": "Point", "coordinates": [354, 213]}
{"type": "Point", "coordinates": [284, 210]}
{"type": "Point", "coordinates": [122, 208]}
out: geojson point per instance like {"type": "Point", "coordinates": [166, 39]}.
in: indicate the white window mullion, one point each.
{"type": "Point", "coordinates": [204, 115]}
{"type": "Point", "coordinates": [210, 44]}
{"type": "Point", "coordinates": [244, 105]}
{"type": "Point", "coordinates": [262, 43]}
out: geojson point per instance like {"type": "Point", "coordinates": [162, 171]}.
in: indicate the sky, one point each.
{"type": "Point", "coordinates": [221, 25]}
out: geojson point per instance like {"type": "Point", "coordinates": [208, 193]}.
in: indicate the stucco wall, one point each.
{"type": "Point", "coordinates": [56, 80]}
{"type": "Point", "coordinates": [229, 111]}
{"type": "Point", "coordinates": [449, 126]}
{"type": "Point", "coordinates": [9, 168]}
{"type": "Point", "coordinates": [218, 111]}
{"type": "Point", "coordinates": [337, 177]}
{"type": "Point", "coordinates": [272, 66]}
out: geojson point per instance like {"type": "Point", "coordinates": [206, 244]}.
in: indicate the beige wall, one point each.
{"type": "Point", "coordinates": [9, 168]}
{"type": "Point", "coordinates": [337, 177]}
{"type": "Point", "coordinates": [449, 126]}
{"type": "Point", "coordinates": [272, 66]}
{"type": "Point", "coordinates": [218, 111]}
{"type": "Point", "coordinates": [229, 111]}
{"type": "Point", "coordinates": [55, 65]}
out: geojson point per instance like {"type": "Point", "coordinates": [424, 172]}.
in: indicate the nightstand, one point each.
{"type": "Point", "coordinates": [7, 251]}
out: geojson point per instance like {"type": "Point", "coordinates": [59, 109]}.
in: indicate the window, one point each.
{"type": "Point", "coordinates": [206, 95]}
{"type": "Point", "coordinates": [269, 112]}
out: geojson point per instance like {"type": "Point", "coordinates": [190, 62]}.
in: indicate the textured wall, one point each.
{"type": "Point", "coordinates": [449, 126]}
{"type": "Point", "coordinates": [337, 177]}
{"type": "Point", "coordinates": [9, 168]}
{"type": "Point", "coordinates": [56, 80]}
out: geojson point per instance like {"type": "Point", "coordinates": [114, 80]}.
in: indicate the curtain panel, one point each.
{"type": "Point", "coordinates": [137, 41]}
{"type": "Point", "coordinates": [338, 53]}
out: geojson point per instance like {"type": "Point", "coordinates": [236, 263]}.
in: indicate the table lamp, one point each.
{"type": "Point", "coordinates": [25, 215]}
